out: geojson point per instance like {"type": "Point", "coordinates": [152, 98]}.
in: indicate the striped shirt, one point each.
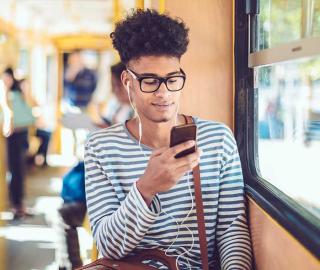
{"type": "Point", "coordinates": [121, 220]}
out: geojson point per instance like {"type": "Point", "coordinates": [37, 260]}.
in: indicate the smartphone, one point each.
{"type": "Point", "coordinates": [183, 133]}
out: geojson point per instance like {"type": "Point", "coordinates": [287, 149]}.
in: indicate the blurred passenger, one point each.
{"type": "Point", "coordinates": [74, 208]}
{"type": "Point", "coordinates": [43, 130]}
{"type": "Point", "coordinates": [79, 85]}
{"type": "Point", "coordinates": [72, 214]}
{"type": "Point", "coordinates": [79, 81]}
{"type": "Point", "coordinates": [17, 141]}
{"type": "Point", "coordinates": [118, 108]}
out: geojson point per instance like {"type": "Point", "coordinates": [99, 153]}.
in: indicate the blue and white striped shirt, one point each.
{"type": "Point", "coordinates": [121, 221]}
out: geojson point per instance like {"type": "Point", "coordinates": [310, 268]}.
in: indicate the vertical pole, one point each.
{"type": "Point", "coordinates": [57, 133]}
{"type": "Point", "coordinates": [116, 11]}
{"type": "Point", "coordinates": [162, 6]}
{"type": "Point", "coordinates": [140, 4]}
{"type": "Point", "coordinates": [117, 16]}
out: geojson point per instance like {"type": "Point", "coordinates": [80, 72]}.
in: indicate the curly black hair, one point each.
{"type": "Point", "coordinates": [146, 32]}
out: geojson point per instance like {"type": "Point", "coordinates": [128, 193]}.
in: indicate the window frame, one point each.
{"type": "Point", "coordinates": [286, 211]}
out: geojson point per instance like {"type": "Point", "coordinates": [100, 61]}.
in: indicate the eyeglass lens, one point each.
{"type": "Point", "coordinates": [174, 83]}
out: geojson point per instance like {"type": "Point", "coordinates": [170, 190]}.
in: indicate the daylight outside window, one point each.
{"type": "Point", "coordinates": [283, 21]}
{"type": "Point", "coordinates": [289, 129]}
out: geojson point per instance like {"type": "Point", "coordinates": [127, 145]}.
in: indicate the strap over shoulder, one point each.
{"type": "Point", "coordinates": [188, 119]}
{"type": "Point", "coordinates": [199, 210]}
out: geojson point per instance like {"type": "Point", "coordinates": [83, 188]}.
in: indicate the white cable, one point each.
{"type": "Point", "coordinates": [190, 192]}
{"type": "Point", "coordinates": [177, 111]}
{"type": "Point", "coordinates": [192, 205]}
{"type": "Point", "coordinates": [140, 137]}
{"type": "Point", "coordinates": [135, 110]}
{"type": "Point", "coordinates": [125, 210]}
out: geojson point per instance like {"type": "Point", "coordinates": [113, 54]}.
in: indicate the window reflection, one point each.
{"type": "Point", "coordinates": [289, 129]}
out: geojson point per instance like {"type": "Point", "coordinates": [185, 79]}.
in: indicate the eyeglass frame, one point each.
{"type": "Point", "coordinates": [164, 80]}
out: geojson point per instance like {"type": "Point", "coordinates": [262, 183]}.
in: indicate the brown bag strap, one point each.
{"type": "Point", "coordinates": [153, 254]}
{"type": "Point", "coordinates": [199, 209]}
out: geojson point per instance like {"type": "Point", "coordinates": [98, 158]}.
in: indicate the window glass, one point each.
{"type": "Point", "coordinates": [316, 19]}
{"type": "Point", "coordinates": [289, 129]}
{"type": "Point", "coordinates": [283, 21]}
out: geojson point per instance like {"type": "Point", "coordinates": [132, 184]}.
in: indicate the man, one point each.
{"type": "Point", "coordinates": [138, 194]}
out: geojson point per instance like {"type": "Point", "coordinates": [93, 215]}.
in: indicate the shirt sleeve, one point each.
{"type": "Point", "coordinates": [117, 227]}
{"type": "Point", "coordinates": [233, 238]}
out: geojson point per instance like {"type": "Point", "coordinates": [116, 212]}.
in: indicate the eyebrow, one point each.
{"type": "Point", "coordinates": [156, 75]}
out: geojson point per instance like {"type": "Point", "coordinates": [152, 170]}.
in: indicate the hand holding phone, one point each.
{"type": "Point", "coordinates": [183, 133]}
{"type": "Point", "coordinates": [166, 167]}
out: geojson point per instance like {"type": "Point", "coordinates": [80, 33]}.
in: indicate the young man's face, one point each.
{"type": "Point", "coordinates": [161, 105]}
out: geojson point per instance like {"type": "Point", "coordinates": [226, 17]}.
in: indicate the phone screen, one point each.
{"type": "Point", "coordinates": [183, 133]}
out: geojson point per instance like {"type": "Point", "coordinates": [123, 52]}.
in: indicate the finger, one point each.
{"type": "Point", "coordinates": [189, 166]}
{"type": "Point", "coordinates": [189, 158]}
{"type": "Point", "coordinates": [173, 151]}
{"type": "Point", "coordinates": [159, 151]}
{"type": "Point", "coordinates": [180, 162]}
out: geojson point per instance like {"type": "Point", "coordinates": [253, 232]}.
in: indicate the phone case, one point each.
{"type": "Point", "coordinates": [183, 133]}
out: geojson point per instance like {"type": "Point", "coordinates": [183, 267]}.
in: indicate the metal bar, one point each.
{"type": "Point", "coordinates": [305, 47]}
{"type": "Point", "coordinates": [140, 4]}
{"type": "Point", "coordinates": [116, 11]}
{"type": "Point", "coordinates": [57, 133]}
{"type": "Point", "coordinates": [162, 6]}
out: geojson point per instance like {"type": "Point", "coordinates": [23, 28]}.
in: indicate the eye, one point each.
{"type": "Point", "coordinates": [150, 81]}
{"type": "Point", "coordinates": [172, 80]}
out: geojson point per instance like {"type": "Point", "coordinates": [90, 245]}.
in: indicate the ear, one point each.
{"type": "Point", "coordinates": [125, 79]}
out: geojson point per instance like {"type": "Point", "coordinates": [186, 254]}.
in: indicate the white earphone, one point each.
{"type": "Point", "coordinates": [135, 110]}
{"type": "Point", "coordinates": [128, 86]}
{"type": "Point", "coordinates": [192, 201]}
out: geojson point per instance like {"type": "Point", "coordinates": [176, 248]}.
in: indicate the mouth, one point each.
{"type": "Point", "coordinates": [162, 105]}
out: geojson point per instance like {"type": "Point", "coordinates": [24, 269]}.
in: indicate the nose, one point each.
{"type": "Point", "coordinates": [162, 90]}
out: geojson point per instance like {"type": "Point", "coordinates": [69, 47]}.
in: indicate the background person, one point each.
{"type": "Point", "coordinates": [79, 81]}
{"type": "Point", "coordinates": [118, 108]}
{"type": "Point", "coordinates": [43, 130]}
{"type": "Point", "coordinates": [74, 208]}
{"type": "Point", "coordinates": [79, 85]}
{"type": "Point", "coordinates": [17, 142]}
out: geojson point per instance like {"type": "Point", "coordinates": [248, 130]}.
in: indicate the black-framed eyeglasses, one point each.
{"type": "Point", "coordinates": [150, 84]}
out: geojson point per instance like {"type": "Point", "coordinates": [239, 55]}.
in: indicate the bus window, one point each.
{"type": "Point", "coordinates": [300, 19]}
{"type": "Point", "coordinates": [277, 111]}
{"type": "Point", "coordinates": [286, 63]}
{"type": "Point", "coordinates": [289, 129]}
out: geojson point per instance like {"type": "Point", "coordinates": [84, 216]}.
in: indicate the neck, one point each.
{"type": "Point", "coordinates": [154, 135]}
